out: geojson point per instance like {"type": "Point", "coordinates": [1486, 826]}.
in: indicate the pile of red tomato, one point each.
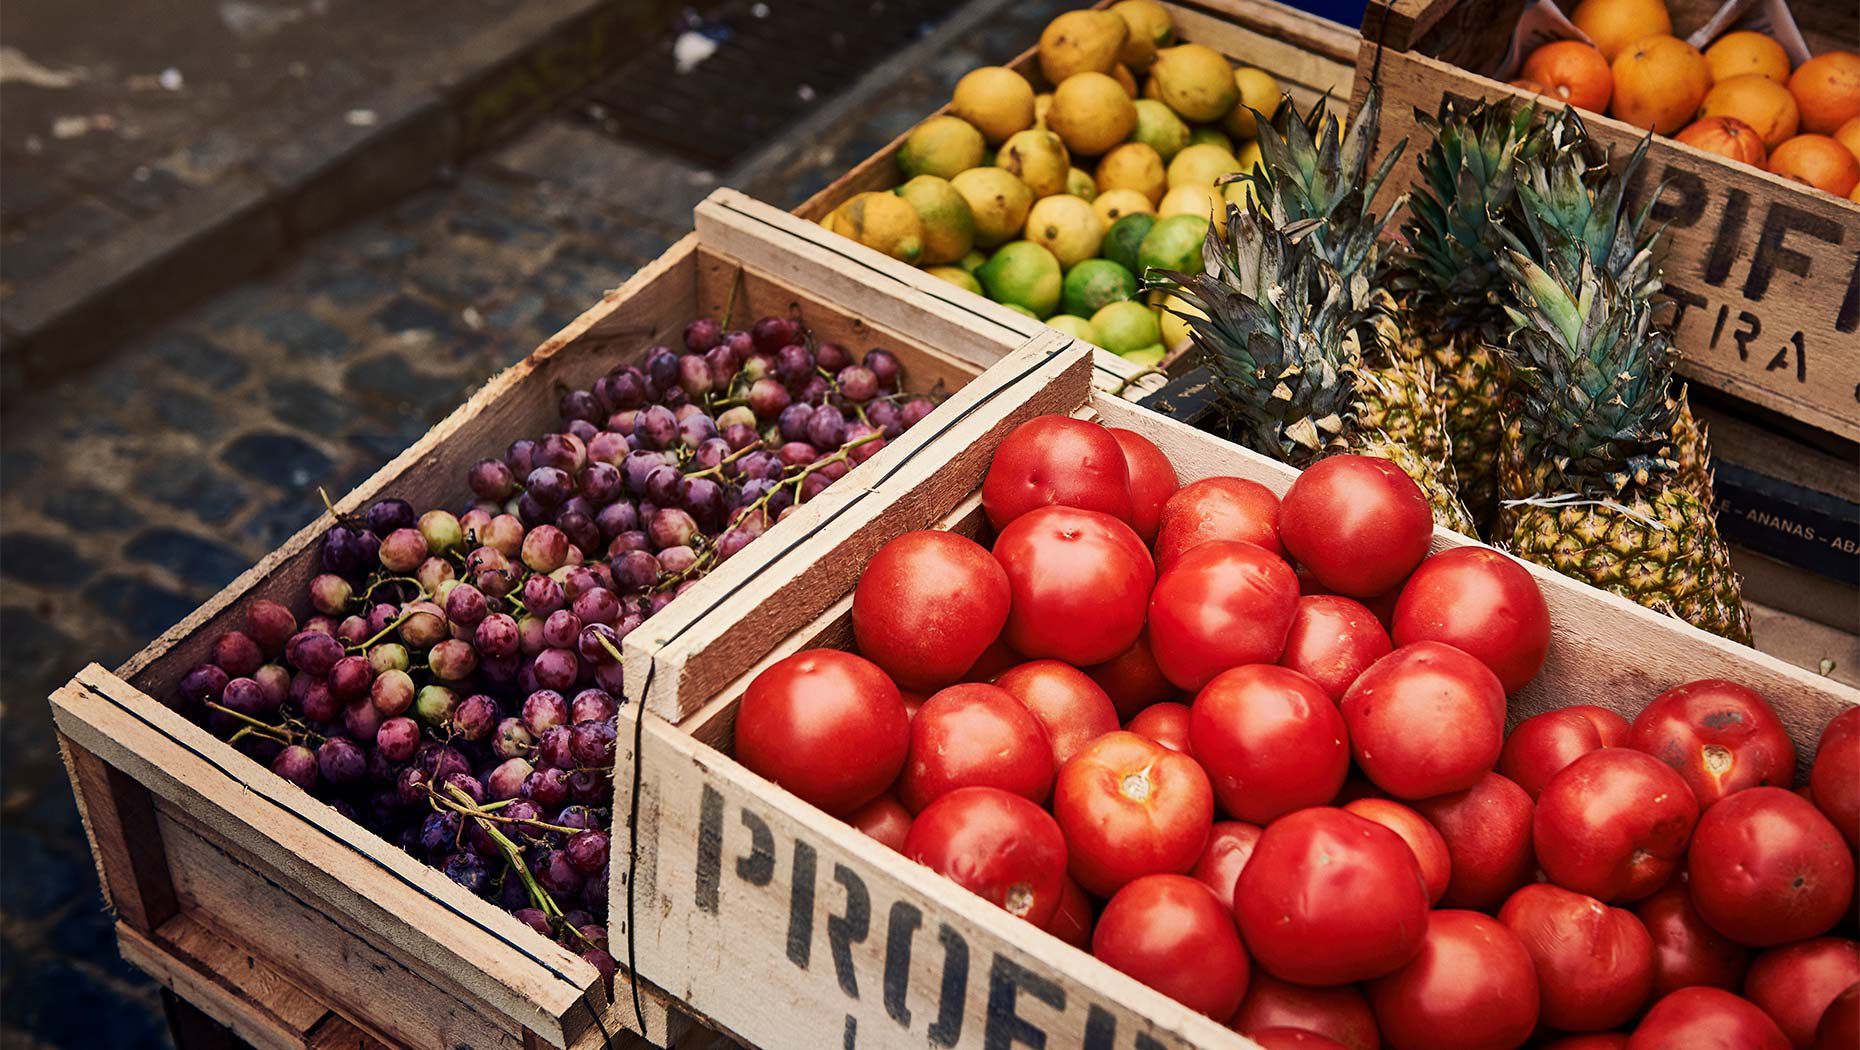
{"type": "Point", "coordinates": [1286, 798]}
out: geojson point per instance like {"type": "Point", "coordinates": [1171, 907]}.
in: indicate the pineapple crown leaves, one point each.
{"type": "Point", "coordinates": [1576, 207]}
{"type": "Point", "coordinates": [1278, 330]}
{"type": "Point", "coordinates": [1593, 373]}
{"type": "Point", "coordinates": [1467, 195]}
{"type": "Point", "coordinates": [1313, 168]}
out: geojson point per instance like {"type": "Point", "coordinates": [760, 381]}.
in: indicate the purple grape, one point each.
{"type": "Point", "coordinates": [587, 851]}
{"type": "Point", "coordinates": [466, 606]}
{"type": "Point", "coordinates": [615, 518]}
{"type": "Point", "coordinates": [831, 357]}
{"type": "Point", "coordinates": [330, 594]}
{"type": "Point", "coordinates": [313, 652]}
{"type": "Point", "coordinates": [464, 782]}
{"type": "Point", "coordinates": [579, 404]}
{"type": "Point", "coordinates": [695, 429]}
{"type": "Point", "coordinates": [476, 717]}
{"type": "Point", "coordinates": [760, 465]}
{"type": "Point", "coordinates": [397, 739]}
{"type": "Point", "coordinates": [710, 453]}
{"type": "Point", "coordinates": [452, 660]}
{"type": "Point", "coordinates": [554, 747]}
{"type": "Point", "coordinates": [270, 625]}
{"type": "Point", "coordinates": [545, 549]}
{"type": "Point", "coordinates": [237, 654]}
{"type": "Point", "coordinates": [520, 457]}
{"type": "Point", "coordinates": [703, 498]}
{"type": "Point", "coordinates": [622, 390]}
{"type": "Point", "coordinates": [793, 421]}
{"type": "Point", "coordinates": [695, 375]}
{"type": "Point", "coordinates": [635, 571]}
{"type": "Point", "coordinates": [885, 368]}
{"type": "Point", "coordinates": [555, 874]}
{"type": "Point", "coordinates": [549, 486]}
{"type": "Point", "coordinates": [656, 427]}
{"type": "Point", "coordinates": [590, 643]}
{"type": "Point", "coordinates": [597, 606]}
{"type": "Point", "coordinates": [314, 699]}
{"type": "Point", "coordinates": [672, 527]}
{"type": "Point", "coordinates": [506, 781]}
{"type": "Point", "coordinates": [353, 630]}
{"type": "Point", "coordinates": [297, 764]}
{"type": "Point", "coordinates": [675, 560]}
{"type": "Point", "coordinates": [496, 636]}
{"type": "Point", "coordinates": [386, 515]}
{"type": "Point", "coordinates": [702, 334]}
{"type": "Point", "coordinates": [492, 479]}
{"type": "Point", "coordinates": [770, 334]}
{"type": "Point", "coordinates": [512, 740]}
{"type": "Point", "coordinates": [468, 870]}
{"type": "Point", "coordinates": [589, 787]}
{"type": "Point", "coordinates": [342, 552]}
{"type": "Point", "coordinates": [608, 447]}
{"type": "Point", "coordinates": [561, 629]}
{"type": "Point", "coordinates": [530, 635]}
{"type": "Point", "coordinates": [731, 542]}
{"type": "Point", "coordinates": [813, 485]}
{"type": "Point", "coordinates": [578, 526]}
{"type": "Point", "coordinates": [524, 809]}
{"type": "Point", "coordinates": [503, 534]}
{"type": "Point", "coordinates": [593, 744]}
{"type": "Point", "coordinates": [547, 788]}
{"type": "Point", "coordinates": [865, 440]}
{"type": "Point", "coordinates": [793, 365]}
{"type": "Point", "coordinates": [392, 692]}
{"type": "Point", "coordinates": [814, 391]}
{"type": "Point", "coordinates": [350, 678]}
{"type": "Point", "coordinates": [361, 719]}
{"type": "Point", "coordinates": [403, 550]}
{"type": "Point", "coordinates": [274, 682]}
{"type": "Point", "coordinates": [602, 483]}
{"type": "Point", "coordinates": [543, 710]}
{"type": "Point", "coordinates": [435, 704]}
{"type": "Point", "coordinates": [914, 411]}
{"type": "Point", "coordinates": [631, 540]}
{"type": "Point", "coordinates": [885, 416]}
{"type": "Point", "coordinates": [798, 454]}
{"type": "Point", "coordinates": [340, 761]}
{"type": "Point", "coordinates": [556, 668]}
{"type": "Point", "coordinates": [857, 383]}
{"type": "Point", "coordinates": [564, 452]}
{"type": "Point", "coordinates": [534, 919]}
{"type": "Point", "coordinates": [245, 696]}
{"type": "Point", "coordinates": [440, 831]}
{"type": "Point", "coordinates": [662, 485]}
{"type": "Point", "coordinates": [826, 427]}
{"type": "Point", "coordinates": [603, 964]}
{"type": "Point", "coordinates": [440, 761]}
{"type": "Point", "coordinates": [592, 705]}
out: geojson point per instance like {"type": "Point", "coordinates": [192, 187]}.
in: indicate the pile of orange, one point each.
{"type": "Point", "coordinates": [1740, 99]}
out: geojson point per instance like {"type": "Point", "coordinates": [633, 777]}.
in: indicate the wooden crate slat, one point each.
{"type": "Point", "coordinates": [119, 818]}
{"type": "Point", "coordinates": [225, 981]}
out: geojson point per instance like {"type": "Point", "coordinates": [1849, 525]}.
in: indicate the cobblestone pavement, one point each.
{"type": "Point", "coordinates": [134, 490]}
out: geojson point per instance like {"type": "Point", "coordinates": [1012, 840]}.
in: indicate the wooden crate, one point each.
{"type": "Point", "coordinates": [1313, 59]}
{"type": "Point", "coordinates": [1767, 271]}
{"type": "Point", "coordinates": [790, 929]}
{"type": "Point", "coordinates": [288, 922]}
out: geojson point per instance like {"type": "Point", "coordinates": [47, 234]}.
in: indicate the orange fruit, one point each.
{"type": "Point", "coordinates": [1848, 135]}
{"type": "Point", "coordinates": [1827, 87]}
{"type": "Point", "coordinates": [1735, 54]}
{"type": "Point", "coordinates": [1727, 137]}
{"type": "Point", "coordinates": [1854, 194]}
{"type": "Point", "coordinates": [1573, 72]}
{"type": "Point", "coordinates": [1818, 161]}
{"type": "Point", "coordinates": [1531, 86]}
{"type": "Point", "coordinates": [1614, 24]}
{"type": "Point", "coordinates": [1756, 100]}
{"type": "Point", "coordinates": [1659, 83]}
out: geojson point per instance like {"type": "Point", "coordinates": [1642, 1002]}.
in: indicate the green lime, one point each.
{"type": "Point", "coordinates": [1174, 243]}
{"type": "Point", "coordinates": [972, 261]}
{"type": "Point", "coordinates": [1019, 309]}
{"type": "Point", "coordinates": [1212, 137]}
{"type": "Point", "coordinates": [1093, 283]}
{"type": "Point", "coordinates": [1149, 356]}
{"type": "Point", "coordinates": [1076, 327]}
{"type": "Point", "coordinates": [1025, 274]}
{"type": "Point", "coordinates": [1124, 237]}
{"type": "Point", "coordinates": [957, 276]}
{"type": "Point", "coordinates": [1126, 327]}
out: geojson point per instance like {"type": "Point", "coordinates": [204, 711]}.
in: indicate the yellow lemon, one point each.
{"type": "Point", "coordinates": [997, 100]}
{"type": "Point", "coordinates": [1091, 113]}
{"type": "Point", "coordinates": [1133, 166]}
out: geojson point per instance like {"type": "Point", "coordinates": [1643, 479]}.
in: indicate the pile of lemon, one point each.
{"type": "Point", "coordinates": [1054, 202]}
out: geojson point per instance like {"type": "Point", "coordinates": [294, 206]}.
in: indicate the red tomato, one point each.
{"type": "Point", "coordinates": [1270, 740]}
{"type": "Point", "coordinates": [1131, 807]}
{"type": "Point", "coordinates": [1482, 603]}
{"type": "Point", "coordinates": [1488, 833]}
{"type": "Point", "coordinates": [1835, 777]}
{"type": "Point", "coordinates": [996, 845]}
{"type": "Point", "coordinates": [1071, 921]}
{"type": "Point", "coordinates": [1425, 720]}
{"type": "Point", "coordinates": [1152, 480]}
{"type": "Point", "coordinates": [1840, 1023]}
{"type": "Point", "coordinates": [975, 735]}
{"type": "Point", "coordinates": [1767, 868]}
{"type": "Point", "coordinates": [1165, 723]}
{"type": "Point", "coordinates": [1080, 580]}
{"type": "Point", "coordinates": [1322, 876]}
{"type": "Point", "coordinates": [1358, 523]}
{"type": "Point", "coordinates": [1594, 963]}
{"type": "Point", "coordinates": [1132, 679]}
{"type": "Point", "coordinates": [1169, 932]}
{"type": "Point", "coordinates": [826, 725]}
{"type": "Point", "coordinates": [1430, 849]}
{"type": "Point", "coordinates": [1685, 950]}
{"type": "Point", "coordinates": [913, 701]}
{"type": "Point", "coordinates": [1796, 984]}
{"type": "Point", "coordinates": [1070, 706]}
{"type": "Point", "coordinates": [1543, 744]}
{"type": "Point", "coordinates": [1472, 983]}
{"type": "Point", "coordinates": [1339, 1013]}
{"type": "Point", "coordinates": [1612, 727]}
{"type": "Point", "coordinates": [1706, 1019]}
{"type": "Point", "coordinates": [1720, 736]}
{"type": "Point", "coordinates": [926, 607]}
{"type": "Point", "coordinates": [993, 663]}
{"type": "Point", "coordinates": [1217, 509]}
{"type": "Point", "coordinates": [1593, 1041]}
{"type": "Point", "coordinates": [1613, 824]}
{"type": "Point", "coordinates": [885, 819]}
{"type": "Point", "coordinates": [1056, 460]}
{"type": "Point", "coordinates": [1230, 844]}
{"type": "Point", "coordinates": [1293, 1039]}
{"type": "Point", "coordinates": [1221, 605]}
{"type": "Point", "coordinates": [1333, 640]}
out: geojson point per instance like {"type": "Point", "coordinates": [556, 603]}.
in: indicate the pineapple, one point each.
{"type": "Point", "coordinates": [1316, 187]}
{"type": "Point", "coordinates": [1283, 336]}
{"type": "Point", "coordinates": [1448, 278]}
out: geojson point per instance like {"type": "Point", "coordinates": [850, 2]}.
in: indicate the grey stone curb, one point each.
{"type": "Point", "coordinates": [445, 108]}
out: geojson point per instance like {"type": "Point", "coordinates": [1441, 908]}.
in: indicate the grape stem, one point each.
{"type": "Point", "coordinates": [512, 855]}
{"type": "Point", "coordinates": [259, 728]}
{"type": "Point", "coordinates": [754, 446]}
{"type": "Point", "coordinates": [467, 808]}
{"type": "Point", "coordinates": [369, 593]}
{"type": "Point", "coordinates": [405, 615]}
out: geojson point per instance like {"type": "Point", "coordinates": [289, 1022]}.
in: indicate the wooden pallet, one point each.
{"type": "Point", "coordinates": [287, 922]}
{"type": "Point", "coordinates": [1767, 271]}
{"type": "Point", "coordinates": [743, 896]}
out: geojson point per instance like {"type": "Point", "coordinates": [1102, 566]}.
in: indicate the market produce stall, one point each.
{"type": "Point", "coordinates": [804, 646]}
